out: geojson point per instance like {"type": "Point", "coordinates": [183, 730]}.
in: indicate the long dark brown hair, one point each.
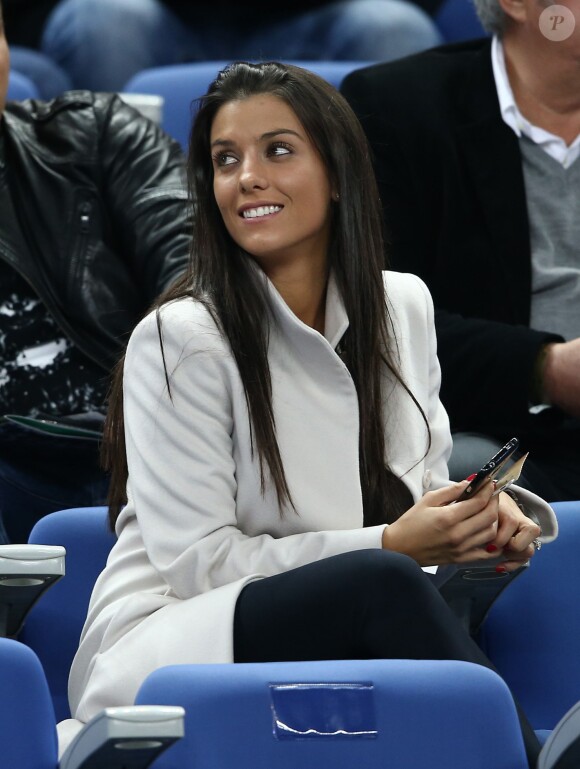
{"type": "Point", "coordinates": [220, 275]}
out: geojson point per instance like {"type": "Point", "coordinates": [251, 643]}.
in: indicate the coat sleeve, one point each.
{"type": "Point", "coordinates": [144, 181]}
{"type": "Point", "coordinates": [180, 453]}
{"type": "Point", "coordinates": [440, 436]}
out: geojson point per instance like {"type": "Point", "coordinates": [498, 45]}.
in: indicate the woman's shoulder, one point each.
{"type": "Point", "coordinates": [184, 324]}
{"type": "Point", "coordinates": [407, 293]}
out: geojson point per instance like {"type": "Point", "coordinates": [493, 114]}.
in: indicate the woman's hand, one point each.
{"type": "Point", "coordinates": [515, 534]}
{"type": "Point", "coordinates": [438, 530]}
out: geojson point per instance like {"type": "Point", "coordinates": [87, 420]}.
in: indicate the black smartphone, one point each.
{"type": "Point", "coordinates": [490, 469]}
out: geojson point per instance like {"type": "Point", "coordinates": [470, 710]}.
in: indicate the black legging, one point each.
{"type": "Point", "coordinates": [368, 604]}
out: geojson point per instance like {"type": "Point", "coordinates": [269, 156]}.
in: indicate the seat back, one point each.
{"type": "Point", "coordinates": [404, 714]}
{"type": "Point", "coordinates": [532, 633]}
{"type": "Point", "coordinates": [54, 625]}
{"type": "Point", "coordinates": [27, 725]}
{"type": "Point", "coordinates": [181, 85]}
{"type": "Point", "coordinates": [20, 87]}
{"type": "Point", "coordinates": [457, 20]}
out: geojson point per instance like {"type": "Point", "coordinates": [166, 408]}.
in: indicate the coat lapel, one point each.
{"type": "Point", "coordinates": [491, 154]}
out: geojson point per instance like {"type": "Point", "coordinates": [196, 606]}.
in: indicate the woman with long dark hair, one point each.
{"type": "Point", "coordinates": [276, 440]}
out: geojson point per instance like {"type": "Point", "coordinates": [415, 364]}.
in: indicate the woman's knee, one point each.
{"type": "Point", "coordinates": [367, 570]}
{"type": "Point", "coordinates": [380, 582]}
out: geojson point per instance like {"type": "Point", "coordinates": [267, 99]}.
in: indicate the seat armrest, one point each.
{"type": "Point", "coordinates": [470, 589]}
{"type": "Point", "coordinates": [562, 748]}
{"type": "Point", "coordinates": [125, 738]}
{"type": "Point", "coordinates": [26, 572]}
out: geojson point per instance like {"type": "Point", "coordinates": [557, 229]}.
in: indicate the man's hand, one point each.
{"type": "Point", "coordinates": [561, 379]}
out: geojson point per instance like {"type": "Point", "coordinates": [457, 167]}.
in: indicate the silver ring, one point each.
{"type": "Point", "coordinates": [537, 544]}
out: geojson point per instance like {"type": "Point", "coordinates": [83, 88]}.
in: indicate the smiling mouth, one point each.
{"type": "Point", "coordinates": [260, 211]}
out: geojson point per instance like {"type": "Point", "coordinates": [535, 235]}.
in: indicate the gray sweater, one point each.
{"type": "Point", "coordinates": [553, 200]}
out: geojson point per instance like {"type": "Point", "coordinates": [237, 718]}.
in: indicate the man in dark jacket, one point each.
{"type": "Point", "coordinates": [476, 152]}
{"type": "Point", "coordinates": [93, 226]}
{"type": "Point", "coordinates": [101, 44]}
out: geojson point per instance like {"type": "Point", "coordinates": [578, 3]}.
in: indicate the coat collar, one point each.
{"type": "Point", "coordinates": [336, 320]}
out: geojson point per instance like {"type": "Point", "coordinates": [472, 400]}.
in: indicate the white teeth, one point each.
{"type": "Point", "coordinates": [252, 213]}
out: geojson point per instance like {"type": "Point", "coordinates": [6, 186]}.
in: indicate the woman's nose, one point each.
{"type": "Point", "coordinates": [252, 177]}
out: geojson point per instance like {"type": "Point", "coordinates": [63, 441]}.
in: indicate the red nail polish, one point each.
{"type": "Point", "coordinates": [491, 548]}
{"type": "Point", "coordinates": [471, 477]}
{"type": "Point", "coordinates": [500, 569]}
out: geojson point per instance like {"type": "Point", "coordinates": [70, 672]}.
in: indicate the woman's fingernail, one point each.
{"type": "Point", "coordinates": [471, 477]}
{"type": "Point", "coordinates": [500, 569]}
{"type": "Point", "coordinates": [491, 548]}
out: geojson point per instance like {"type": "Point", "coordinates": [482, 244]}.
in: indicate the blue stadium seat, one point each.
{"type": "Point", "coordinates": [405, 714]}
{"type": "Point", "coordinates": [20, 87]}
{"type": "Point", "coordinates": [27, 725]}
{"type": "Point", "coordinates": [54, 624]}
{"type": "Point", "coordinates": [457, 21]}
{"type": "Point", "coordinates": [117, 738]}
{"type": "Point", "coordinates": [182, 84]}
{"type": "Point", "coordinates": [532, 633]}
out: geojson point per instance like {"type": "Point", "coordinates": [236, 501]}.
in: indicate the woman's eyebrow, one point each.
{"type": "Point", "coordinates": [278, 131]}
{"type": "Point", "coordinates": [268, 135]}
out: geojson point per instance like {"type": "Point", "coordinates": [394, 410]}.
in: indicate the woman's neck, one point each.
{"type": "Point", "coordinates": [303, 288]}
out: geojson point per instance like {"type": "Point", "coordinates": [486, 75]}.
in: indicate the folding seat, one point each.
{"type": "Point", "coordinates": [405, 714]}
{"type": "Point", "coordinates": [20, 87]}
{"type": "Point", "coordinates": [532, 632]}
{"type": "Point", "coordinates": [118, 738]}
{"type": "Point", "coordinates": [531, 635]}
{"type": "Point", "coordinates": [181, 84]}
{"type": "Point", "coordinates": [53, 626]}
{"type": "Point", "coordinates": [457, 20]}
{"type": "Point", "coordinates": [27, 725]}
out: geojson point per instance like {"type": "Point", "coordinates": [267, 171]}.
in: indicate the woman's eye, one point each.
{"type": "Point", "coordinates": [279, 149]}
{"type": "Point", "coordinates": [224, 159]}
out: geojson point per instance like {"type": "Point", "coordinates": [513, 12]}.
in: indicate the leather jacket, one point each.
{"type": "Point", "coordinates": [102, 227]}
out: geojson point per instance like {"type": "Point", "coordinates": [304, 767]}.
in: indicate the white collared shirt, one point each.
{"type": "Point", "coordinates": [554, 145]}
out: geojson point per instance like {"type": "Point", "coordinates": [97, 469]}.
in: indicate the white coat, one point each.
{"type": "Point", "coordinates": [196, 528]}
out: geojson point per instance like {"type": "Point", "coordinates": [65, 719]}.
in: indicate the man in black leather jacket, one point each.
{"type": "Point", "coordinates": [93, 226]}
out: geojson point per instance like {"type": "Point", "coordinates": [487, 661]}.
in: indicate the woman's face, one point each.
{"type": "Point", "coordinates": [270, 184]}
{"type": "Point", "coordinates": [4, 64]}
